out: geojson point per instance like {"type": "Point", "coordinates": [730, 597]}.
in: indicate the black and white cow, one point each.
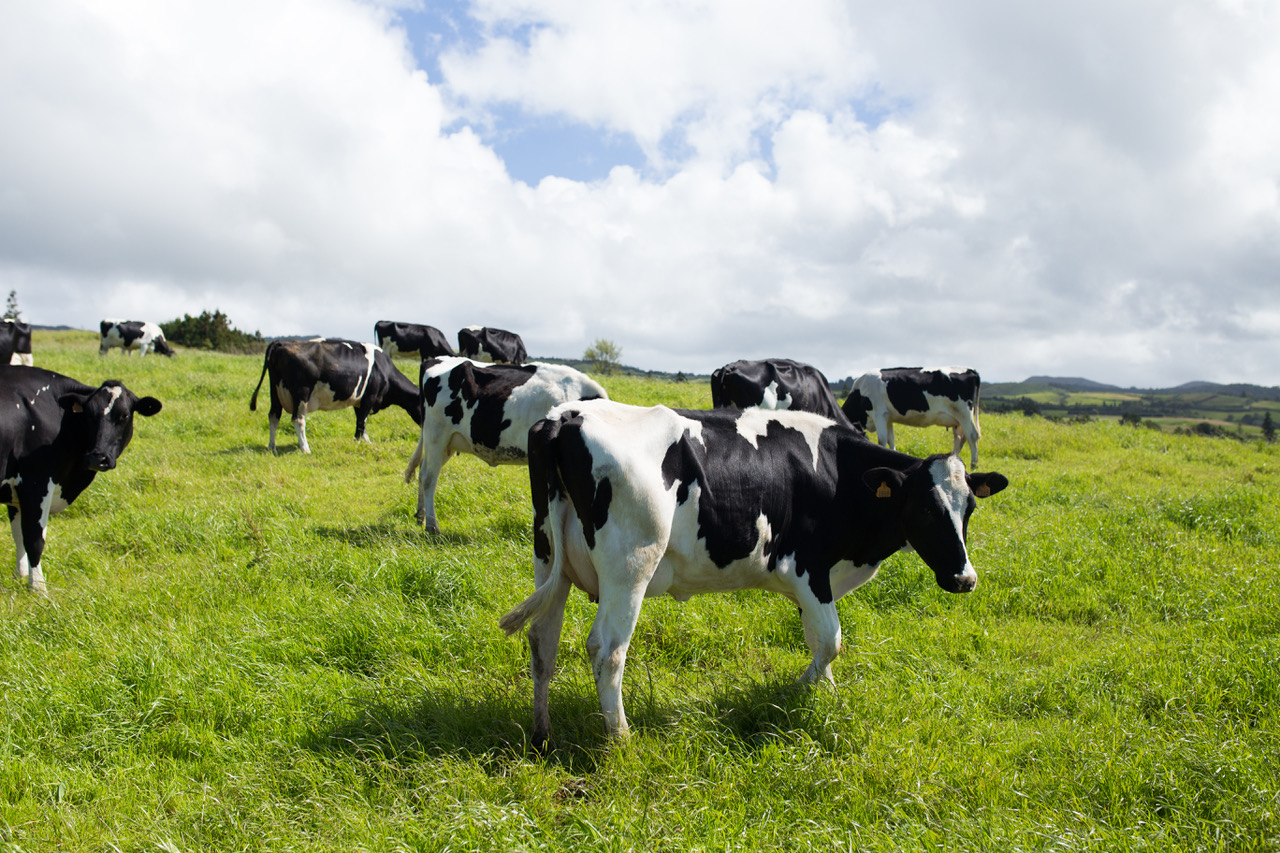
{"type": "Point", "coordinates": [129, 335]}
{"type": "Point", "coordinates": [497, 346]}
{"type": "Point", "coordinates": [636, 502]}
{"type": "Point", "coordinates": [485, 410]}
{"type": "Point", "coordinates": [918, 396]}
{"type": "Point", "coordinates": [15, 343]}
{"type": "Point", "coordinates": [329, 373]}
{"type": "Point", "coordinates": [56, 434]}
{"type": "Point", "coordinates": [411, 338]}
{"type": "Point", "coordinates": [774, 383]}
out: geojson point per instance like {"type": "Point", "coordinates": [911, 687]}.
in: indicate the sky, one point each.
{"type": "Point", "coordinates": [1081, 189]}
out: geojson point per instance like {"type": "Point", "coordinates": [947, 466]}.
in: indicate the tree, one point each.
{"type": "Point", "coordinates": [212, 331]}
{"type": "Point", "coordinates": [604, 356]}
{"type": "Point", "coordinates": [1268, 428]}
{"type": "Point", "coordinates": [11, 310]}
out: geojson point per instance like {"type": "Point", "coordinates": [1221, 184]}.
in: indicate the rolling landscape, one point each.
{"type": "Point", "coordinates": [252, 652]}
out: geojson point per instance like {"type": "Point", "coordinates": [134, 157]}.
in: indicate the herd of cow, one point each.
{"type": "Point", "coordinates": [776, 487]}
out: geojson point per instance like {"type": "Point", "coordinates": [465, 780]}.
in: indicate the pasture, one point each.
{"type": "Point", "coordinates": [247, 652]}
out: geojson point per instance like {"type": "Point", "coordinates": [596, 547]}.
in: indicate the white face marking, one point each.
{"type": "Point", "coordinates": [116, 393]}
{"type": "Point", "coordinates": [948, 479]}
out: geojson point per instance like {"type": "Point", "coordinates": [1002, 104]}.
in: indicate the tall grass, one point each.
{"type": "Point", "coordinates": [256, 652]}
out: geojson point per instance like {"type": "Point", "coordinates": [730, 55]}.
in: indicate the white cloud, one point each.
{"type": "Point", "coordinates": [1091, 189]}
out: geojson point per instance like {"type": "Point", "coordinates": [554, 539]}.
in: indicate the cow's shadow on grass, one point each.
{"type": "Point", "coordinates": [491, 730]}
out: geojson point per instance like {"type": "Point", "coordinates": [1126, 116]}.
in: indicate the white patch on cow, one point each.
{"type": "Point", "coordinates": [369, 352]}
{"type": "Point", "coordinates": [754, 422]}
{"type": "Point", "coordinates": [474, 328]}
{"type": "Point", "coordinates": [53, 502]}
{"type": "Point", "coordinates": [949, 481]}
{"type": "Point", "coordinates": [116, 393]}
{"type": "Point", "coordinates": [772, 399]}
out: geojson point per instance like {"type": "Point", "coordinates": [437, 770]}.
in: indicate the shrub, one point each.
{"type": "Point", "coordinates": [212, 331]}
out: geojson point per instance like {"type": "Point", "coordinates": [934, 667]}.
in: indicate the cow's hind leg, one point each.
{"type": "Point", "coordinates": [544, 642]}
{"type": "Point", "coordinates": [822, 633]}
{"type": "Point", "coordinates": [433, 459]}
{"type": "Point", "coordinates": [607, 646]}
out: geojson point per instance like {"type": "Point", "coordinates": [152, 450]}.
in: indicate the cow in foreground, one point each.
{"type": "Point", "coordinates": [411, 339]}
{"type": "Point", "coordinates": [774, 383]}
{"type": "Point", "coordinates": [635, 502]}
{"type": "Point", "coordinates": [129, 335]}
{"type": "Point", "coordinates": [485, 410]}
{"type": "Point", "coordinates": [328, 373]}
{"type": "Point", "coordinates": [56, 434]}
{"type": "Point", "coordinates": [918, 396]}
{"type": "Point", "coordinates": [497, 346]}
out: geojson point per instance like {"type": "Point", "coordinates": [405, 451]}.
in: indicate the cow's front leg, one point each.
{"type": "Point", "coordinates": [544, 643]}
{"type": "Point", "coordinates": [362, 419]}
{"type": "Point", "coordinates": [32, 526]}
{"type": "Point", "coordinates": [822, 633]}
{"type": "Point", "coordinates": [21, 566]}
{"type": "Point", "coordinates": [607, 646]}
{"type": "Point", "coordinates": [300, 427]}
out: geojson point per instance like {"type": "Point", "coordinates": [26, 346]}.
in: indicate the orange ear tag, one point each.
{"type": "Point", "coordinates": [983, 491]}
{"type": "Point", "coordinates": [884, 491]}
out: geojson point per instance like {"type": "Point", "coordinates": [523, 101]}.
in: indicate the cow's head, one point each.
{"type": "Point", "coordinates": [857, 408]}
{"type": "Point", "coordinates": [105, 421]}
{"type": "Point", "coordinates": [933, 500]}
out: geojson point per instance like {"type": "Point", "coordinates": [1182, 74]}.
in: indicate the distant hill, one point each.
{"type": "Point", "coordinates": [1077, 385]}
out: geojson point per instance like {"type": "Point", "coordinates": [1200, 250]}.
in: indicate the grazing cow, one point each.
{"type": "Point", "coordinates": [918, 396]}
{"type": "Point", "coordinates": [133, 334]}
{"type": "Point", "coordinates": [410, 338]}
{"type": "Point", "coordinates": [775, 383]}
{"type": "Point", "coordinates": [485, 410]}
{"type": "Point", "coordinates": [15, 343]}
{"type": "Point", "coordinates": [56, 434]}
{"type": "Point", "coordinates": [636, 502]}
{"type": "Point", "coordinates": [328, 373]}
{"type": "Point", "coordinates": [491, 345]}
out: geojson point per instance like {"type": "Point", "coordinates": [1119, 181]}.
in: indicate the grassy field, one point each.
{"type": "Point", "coordinates": [253, 653]}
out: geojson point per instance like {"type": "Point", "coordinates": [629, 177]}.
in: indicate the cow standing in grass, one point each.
{"type": "Point", "coordinates": [324, 374]}
{"type": "Point", "coordinates": [485, 410]}
{"type": "Point", "coordinates": [775, 383]}
{"type": "Point", "coordinates": [56, 435]}
{"type": "Point", "coordinates": [918, 396]}
{"type": "Point", "coordinates": [636, 502]}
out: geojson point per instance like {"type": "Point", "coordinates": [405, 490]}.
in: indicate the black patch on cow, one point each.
{"type": "Point", "coordinates": [15, 338]}
{"type": "Point", "coordinates": [906, 387]}
{"type": "Point", "coordinates": [591, 497]}
{"type": "Point", "coordinates": [426, 341]}
{"type": "Point", "coordinates": [486, 391]}
{"type": "Point", "coordinates": [857, 408]}
{"type": "Point", "coordinates": [498, 344]}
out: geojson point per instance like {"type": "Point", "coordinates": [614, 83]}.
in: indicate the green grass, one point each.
{"type": "Point", "coordinates": [258, 653]}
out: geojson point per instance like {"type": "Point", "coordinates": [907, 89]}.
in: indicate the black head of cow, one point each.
{"type": "Point", "coordinates": [101, 421]}
{"type": "Point", "coordinates": [857, 408]}
{"type": "Point", "coordinates": [933, 500]}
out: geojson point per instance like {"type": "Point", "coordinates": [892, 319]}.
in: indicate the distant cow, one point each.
{"type": "Point", "coordinates": [774, 383]}
{"type": "Point", "coordinates": [129, 335]}
{"type": "Point", "coordinates": [485, 410]}
{"type": "Point", "coordinates": [56, 434]}
{"type": "Point", "coordinates": [410, 338]}
{"type": "Point", "coordinates": [15, 343]}
{"type": "Point", "coordinates": [631, 503]}
{"type": "Point", "coordinates": [919, 396]}
{"type": "Point", "coordinates": [491, 345]}
{"type": "Point", "coordinates": [328, 373]}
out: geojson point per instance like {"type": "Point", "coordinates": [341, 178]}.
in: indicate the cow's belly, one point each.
{"type": "Point", "coordinates": [686, 569]}
{"type": "Point", "coordinates": [502, 455]}
{"type": "Point", "coordinates": [323, 398]}
{"type": "Point", "coordinates": [924, 419]}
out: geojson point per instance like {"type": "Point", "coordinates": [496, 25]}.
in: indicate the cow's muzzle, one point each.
{"type": "Point", "coordinates": [98, 462]}
{"type": "Point", "coordinates": [966, 581]}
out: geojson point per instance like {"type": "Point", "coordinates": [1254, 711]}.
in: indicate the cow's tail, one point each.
{"type": "Point", "coordinates": [549, 505]}
{"type": "Point", "coordinates": [266, 358]}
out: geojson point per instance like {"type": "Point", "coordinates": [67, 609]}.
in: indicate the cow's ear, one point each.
{"type": "Point", "coordinates": [986, 485]}
{"type": "Point", "coordinates": [73, 402]}
{"type": "Point", "coordinates": [884, 482]}
{"type": "Point", "coordinates": [146, 406]}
